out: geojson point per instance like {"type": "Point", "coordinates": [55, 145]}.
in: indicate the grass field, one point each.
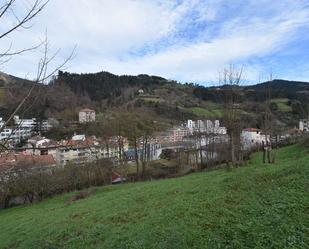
{"type": "Point", "coordinates": [202, 112]}
{"type": "Point", "coordinates": [149, 99]}
{"type": "Point", "coordinates": [282, 105]}
{"type": "Point", "coordinates": [256, 206]}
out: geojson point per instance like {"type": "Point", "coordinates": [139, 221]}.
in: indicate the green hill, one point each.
{"type": "Point", "coordinates": [256, 206]}
{"type": "Point", "coordinates": [162, 99]}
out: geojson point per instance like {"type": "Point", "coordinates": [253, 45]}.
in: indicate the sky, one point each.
{"type": "Point", "coordinates": [183, 40]}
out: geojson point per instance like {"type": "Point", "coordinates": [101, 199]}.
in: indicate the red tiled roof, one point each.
{"type": "Point", "coordinates": [21, 160]}
{"type": "Point", "coordinates": [251, 129]}
{"type": "Point", "coordinates": [86, 110]}
{"type": "Point", "coordinates": [89, 141]}
{"type": "Point", "coordinates": [33, 160]}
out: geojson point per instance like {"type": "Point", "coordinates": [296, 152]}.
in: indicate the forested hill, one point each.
{"type": "Point", "coordinates": [276, 89]}
{"type": "Point", "coordinates": [164, 99]}
{"type": "Point", "coordinates": [104, 85]}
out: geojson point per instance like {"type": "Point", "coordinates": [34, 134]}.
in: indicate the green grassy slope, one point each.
{"type": "Point", "coordinates": [258, 206]}
{"type": "Point", "coordinates": [282, 104]}
{"type": "Point", "coordinates": [202, 112]}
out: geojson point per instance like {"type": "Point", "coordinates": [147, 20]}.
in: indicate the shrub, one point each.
{"type": "Point", "coordinates": [20, 186]}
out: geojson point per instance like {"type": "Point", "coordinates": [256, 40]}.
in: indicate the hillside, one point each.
{"type": "Point", "coordinates": [163, 99]}
{"type": "Point", "coordinates": [257, 206]}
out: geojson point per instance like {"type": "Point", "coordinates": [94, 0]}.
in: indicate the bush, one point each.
{"type": "Point", "coordinates": [20, 186]}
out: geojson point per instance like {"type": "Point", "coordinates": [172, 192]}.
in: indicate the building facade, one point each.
{"type": "Point", "coordinates": [252, 137]}
{"type": "Point", "coordinates": [86, 115]}
{"type": "Point", "coordinates": [304, 125]}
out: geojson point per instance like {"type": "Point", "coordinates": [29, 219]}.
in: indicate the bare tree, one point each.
{"type": "Point", "coordinates": [23, 21]}
{"type": "Point", "coordinates": [230, 81]}
{"type": "Point", "coordinates": [271, 134]}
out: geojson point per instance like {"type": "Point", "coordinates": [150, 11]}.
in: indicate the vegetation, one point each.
{"type": "Point", "coordinates": [22, 185]}
{"type": "Point", "coordinates": [258, 206]}
{"type": "Point", "coordinates": [170, 101]}
{"type": "Point", "coordinates": [204, 113]}
{"type": "Point", "coordinates": [282, 104]}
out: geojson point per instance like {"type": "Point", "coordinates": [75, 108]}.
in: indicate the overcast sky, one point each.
{"type": "Point", "coordinates": [184, 40]}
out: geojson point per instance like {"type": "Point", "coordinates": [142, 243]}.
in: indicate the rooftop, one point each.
{"type": "Point", "coordinates": [86, 110]}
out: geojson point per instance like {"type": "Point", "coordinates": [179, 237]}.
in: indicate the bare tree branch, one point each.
{"type": "Point", "coordinates": [35, 9]}
{"type": "Point", "coordinates": [6, 7]}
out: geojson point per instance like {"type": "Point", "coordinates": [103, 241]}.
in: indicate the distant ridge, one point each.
{"type": "Point", "coordinates": [165, 99]}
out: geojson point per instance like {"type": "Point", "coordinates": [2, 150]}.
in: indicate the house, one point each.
{"type": "Point", "coordinates": [177, 134]}
{"type": "Point", "coordinates": [11, 163]}
{"type": "Point", "coordinates": [82, 149]}
{"type": "Point", "coordinates": [86, 115]}
{"type": "Point", "coordinates": [252, 137]}
{"type": "Point", "coordinates": [22, 161]}
{"type": "Point", "coordinates": [33, 161]}
{"type": "Point", "coordinates": [304, 125]}
{"type": "Point", "coordinates": [38, 145]}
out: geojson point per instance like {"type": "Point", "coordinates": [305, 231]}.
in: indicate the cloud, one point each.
{"type": "Point", "coordinates": [188, 40]}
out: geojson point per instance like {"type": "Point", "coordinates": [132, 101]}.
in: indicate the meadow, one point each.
{"type": "Point", "coordinates": [254, 206]}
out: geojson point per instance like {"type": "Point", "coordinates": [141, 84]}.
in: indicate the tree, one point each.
{"type": "Point", "coordinates": [9, 8]}
{"type": "Point", "coordinates": [269, 155]}
{"type": "Point", "coordinates": [230, 81]}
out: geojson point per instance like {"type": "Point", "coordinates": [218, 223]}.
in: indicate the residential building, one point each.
{"type": "Point", "coordinates": [304, 125]}
{"type": "Point", "coordinates": [178, 134]}
{"type": "Point", "coordinates": [15, 135]}
{"type": "Point", "coordinates": [200, 125]}
{"type": "Point", "coordinates": [86, 115]}
{"type": "Point", "coordinates": [252, 137]}
{"type": "Point", "coordinates": [81, 149]}
{"type": "Point", "coordinates": [153, 151]}
{"type": "Point", "coordinates": [22, 161]}
{"type": "Point", "coordinates": [25, 123]}
{"type": "Point", "coordinates": [38, 145]}
{"type": "Point", "coordinates": [2, 123]}
{"type": "Point", "coordinates": [190, 124]}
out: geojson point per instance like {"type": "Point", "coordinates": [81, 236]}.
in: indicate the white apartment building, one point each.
{"type": "Point", "coordinates": [207, 126]}
{"type": "Point", "coordinates": [86, 115]}
{"type": "Point", "coordinates": [15, 135]}
{"type": "Point", "coordinates": [304, 125]}
{"type": "Point", "coordinates": [200, 125]}
{"type": "Point", "coordinates": [25, 123]}
{"type": "Point", "coordinates": [191, 124]}
{"type": "Point", "coordinates": [32, 123]}
{"type": "Point", "coordinates": [252, 137]}
{"type": "Point", "coordinates": [2, 123]}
